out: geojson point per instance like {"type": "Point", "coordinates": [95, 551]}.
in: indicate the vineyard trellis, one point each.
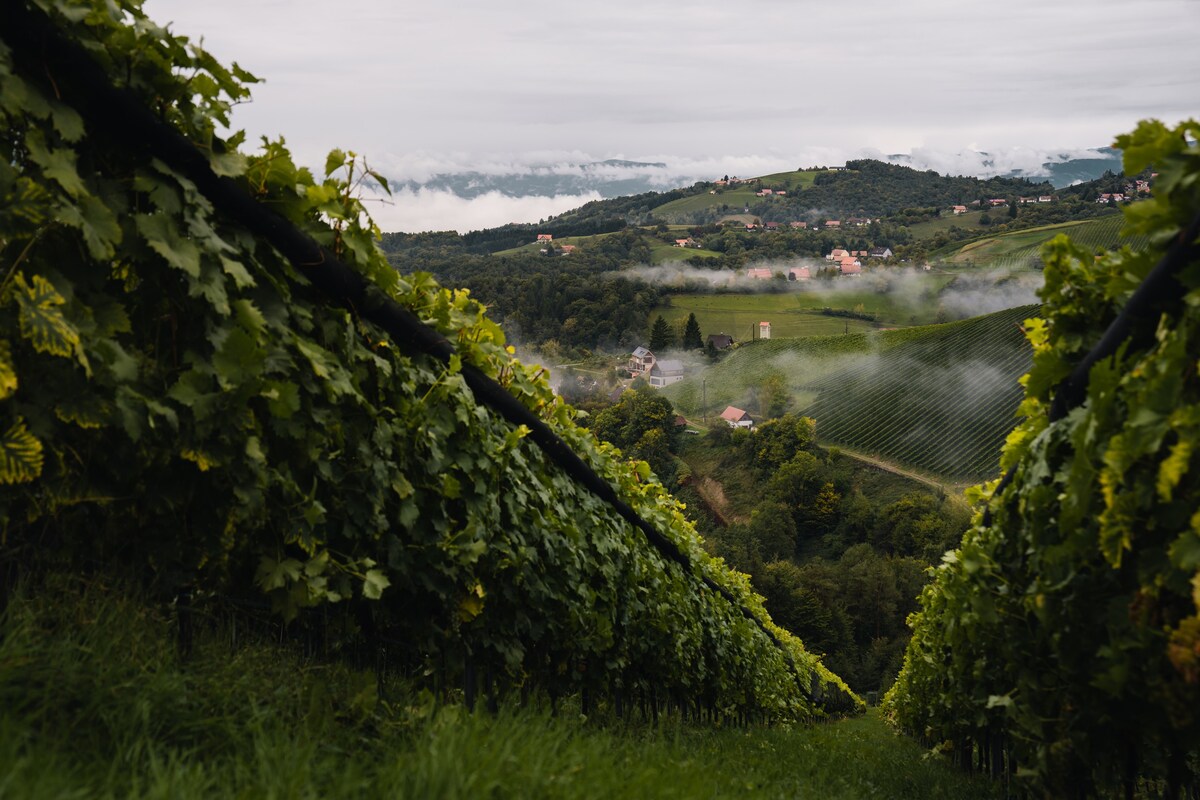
{"type": "Point", "coordinates": [1059, 645]}
{"type": "Point", "coordinates": [172, 338]}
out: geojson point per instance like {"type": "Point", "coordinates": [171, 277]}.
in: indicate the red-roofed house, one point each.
{"type": "Point", "coordinates": [801, 225]}
{"type": "Point", "coordinates": [833, 223]}
{"type": "Point", "coordinates": [959, 210]}
{"type": "Point", "coordinates": [545, 237]}
{"type": "Point", "coordinates": [799, 274]}
{"type": "Point", "coordinates": [736, 418]}
{"type": "Point", "coordinates": [759, 273]}
{"type": "Point", "coordinates": [837, 254]}
{"type": "Point", "coordinates": [850, 266]}
{"type": "Point", "coordinates": [567, 249]}
{"type": "Point", "coordinates": [764, 330]}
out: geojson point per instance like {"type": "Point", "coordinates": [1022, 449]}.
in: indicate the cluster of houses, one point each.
{"type": "Point", "coordinates": [548, 239]}
{"type": "Point", "coordinates": [658, 373]}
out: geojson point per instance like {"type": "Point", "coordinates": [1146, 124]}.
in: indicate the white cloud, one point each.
{"type": "Point", "coordinates": [431, 210]}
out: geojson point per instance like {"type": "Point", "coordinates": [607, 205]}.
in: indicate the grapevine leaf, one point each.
{"type": "Point", "coordinates": [374, 582]}
{"type": "Point", "coordinates": [42, 323]}
{"type": "Point", "coordinates": [160, 233]}
{"type": "Point", "coordinates": [8, 370]}
{"type": "Point", "coordinates": [20, 455]}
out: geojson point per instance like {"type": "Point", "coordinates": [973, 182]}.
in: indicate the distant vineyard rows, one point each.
{"type": "Point", "coordinates": [942, 401]}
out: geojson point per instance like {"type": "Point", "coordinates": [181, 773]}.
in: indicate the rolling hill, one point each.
{"type": "Point", "coordinates": [935, 398]}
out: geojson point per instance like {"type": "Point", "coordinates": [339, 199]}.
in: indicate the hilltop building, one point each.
{"type": "Point", "coordinates": [764, 330]}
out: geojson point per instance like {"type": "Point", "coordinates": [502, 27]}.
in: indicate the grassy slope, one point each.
{"type": "Point", "coordinates": [1019, 247]}
{"type": "Point", "coordinates": [94, 702]}
{"type": "Point", "coordinates": [739, 196]}
{"type": "Point", "coordinates": [791, 313]}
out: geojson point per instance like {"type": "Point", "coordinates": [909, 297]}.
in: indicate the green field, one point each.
{"type": "Point", "coordinates": [738, 196]}
{"type": "Point", "coordinates": [1023, 248]}
{"type": "Point", "coordinates": [661, 253]}
{"type": "Point", "coordinates": [968, 221]}
{"type": "Point", "coordinates": [893, 297]}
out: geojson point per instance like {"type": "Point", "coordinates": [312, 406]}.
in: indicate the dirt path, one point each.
{"type": "Point", "coordinates": [951, 489]}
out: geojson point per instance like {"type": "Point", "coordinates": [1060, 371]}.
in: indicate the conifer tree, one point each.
{"type": "Point", "coordinates": [660, 335]}
{"type": "Point", "coordinates": [692, 339]}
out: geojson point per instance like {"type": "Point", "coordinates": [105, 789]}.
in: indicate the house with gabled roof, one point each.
{"type": "Point", "coordinates": [666, 372]}
{"type": "Point", "coordinates": [545, 237]}
{"type": "Point", "coordinates": [720, 341]}
{"type": "Point", "coordinates": [641, 360]}
{"type": "Point", "coordinates": [880, 252]}
{"type": "Point", "coordinates": [799, 274]}
{"type": "Point", "coordinates": [959, 210]}
{"type": "Point", "coordinates": [759, 273]}
{"type": "Point", "coordinates": [736, 418]}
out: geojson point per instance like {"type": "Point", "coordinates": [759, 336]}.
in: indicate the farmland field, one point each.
{"type": "Point", "coordinates": [1023, 248]}
{"type": "Point", "coordinates": [893, 297]}
{"type": "Point", "coordinates": [738, 197]}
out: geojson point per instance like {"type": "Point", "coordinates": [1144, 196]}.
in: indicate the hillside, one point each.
{"type": "Point", "coordinates": [1022, 249]}
{"type": "Point", "coordinates": [937, 398]}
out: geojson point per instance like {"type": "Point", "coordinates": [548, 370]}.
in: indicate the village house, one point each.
{"type": "Point", "coordinates": [858, 222]}
{"type": "Point", "coordinates": [545, 237]}
{"type": "Point", "coordinates": [759, 273]}
{"type": "Point", "coordinates": [736, 418]}
{"type": "Point", "coordinates": [799, 225]}
{"type": "Point", "coordinates": [689, 242]}
{"type": "Point", "coordinates": [959, 210]}
{"type": "Point", "coordinates": [666, 372]}
{"type": "Point", "coordinates": [641, 361]}
{"type": "Point", "coordinates": [880, 252]}
{"type": "Point", "coordinates": [719, 341]}
{"type": "Point", "coordinates": [837, 254]}
{"type": "Point", "coordinates": [799, 274]}
{"type": "Point", "coordinates": [833, 223]}
{"type": "Point", "coordinates": [772, 226]}
{"type": "Point", "coordinates": [567, 249]}
{"type": "Point", "coordinates": [1045, 198]}
{"type": "Point", "coordinates": [850, 266]}
{"type": "Point", "coordinates": [764, 330]}
{"type": "Point", "coordinates": [997, 201]}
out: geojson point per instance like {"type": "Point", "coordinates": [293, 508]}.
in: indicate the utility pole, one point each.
{"type": "Point", "coordinates": [704, 399]}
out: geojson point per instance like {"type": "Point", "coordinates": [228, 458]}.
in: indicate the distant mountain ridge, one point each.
{"type": "Point", "coordinates": [616, 177]}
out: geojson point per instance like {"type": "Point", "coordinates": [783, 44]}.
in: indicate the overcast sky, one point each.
{"type": "Point", "coordinates": [419, 85]}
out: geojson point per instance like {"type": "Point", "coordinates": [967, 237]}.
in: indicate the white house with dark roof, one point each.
{"type": "Point", "coordinates": [666, 372]}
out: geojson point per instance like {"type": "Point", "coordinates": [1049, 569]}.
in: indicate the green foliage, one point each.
{"type": "Point", "coordinates": [661, 337]}
{"type": "Point", "coordinates": [1066, 620]}
{"type": "Point", "coordinates": [179, 406]}
{"type": "Point", "coordinates": [692, 338]}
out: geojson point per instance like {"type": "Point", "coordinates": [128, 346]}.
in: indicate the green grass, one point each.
{"type": "Point", "coordinates": [797, 311]}
{"type": "Point", "coordinates": [738, 196]}
{"type": "Point", "coordinates": [925, 230]}
{"type": "Point", "coordinates": [1023, 248]}
{"type": "Point", "coordinates": [97, 703]}
{"type": "Point", "coordinates": [660, 253]}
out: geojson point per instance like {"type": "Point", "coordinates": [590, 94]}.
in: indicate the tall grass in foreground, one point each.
{"type": "Point", "coordinates": [95, 702]}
